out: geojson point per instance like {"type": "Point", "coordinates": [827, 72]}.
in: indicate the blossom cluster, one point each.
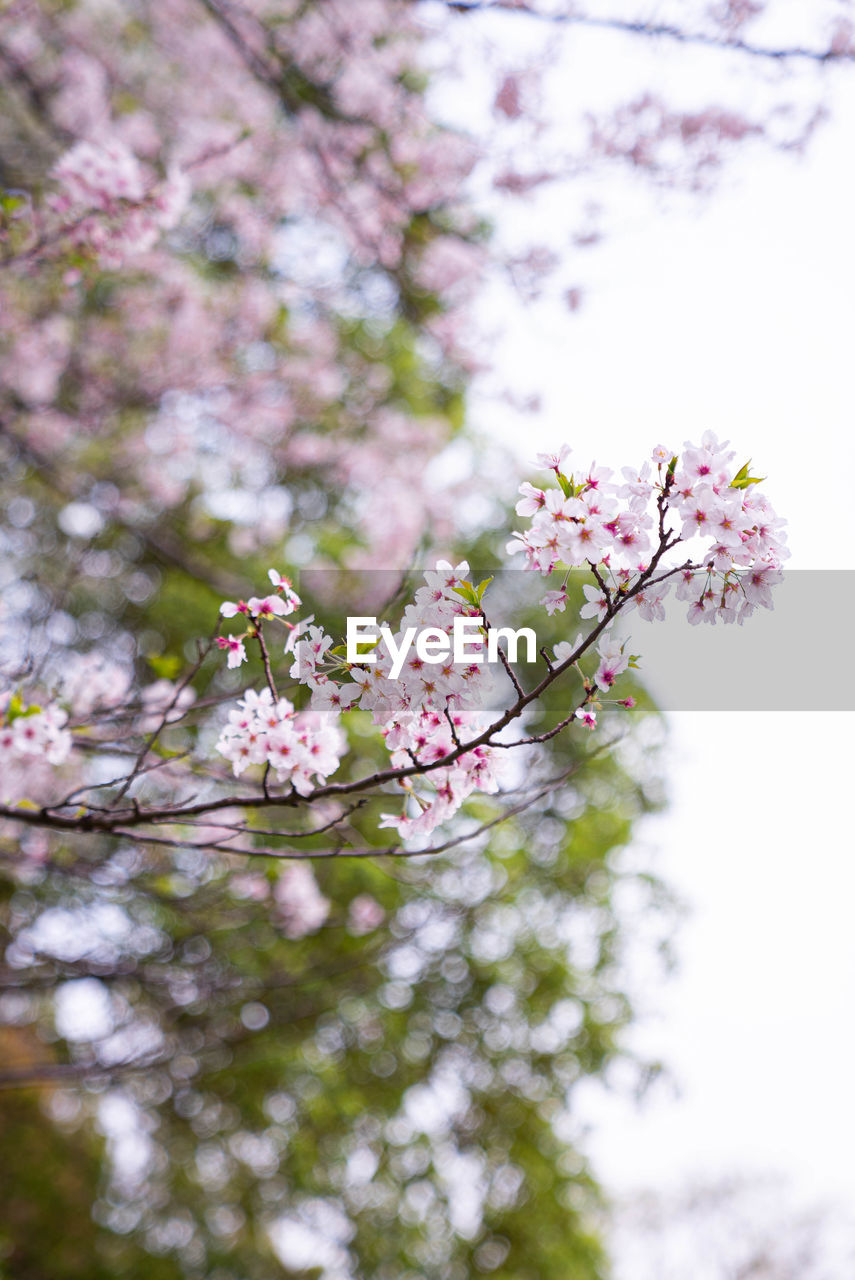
{"type": "Point", "coordinates": [426, 702]}
{"type": "Point", "coordinates": [33, 733]}
{"type": "Point", "coordinates": [594, 520]}
{"type": "Point", "coordinates": [298, 747]}
{"type": "Point", "coordinates": [425, 711]}
{"type": "Point", "coordinates": [99, 176]}
{"type": "Point", "coordinates": [257, 609]}
{"type": "Point", "coordinates": [106, 179]}
{"type": "Point", "coordinates": [91, 681]}
{"type": "Point", "coordinates": [613, 661]}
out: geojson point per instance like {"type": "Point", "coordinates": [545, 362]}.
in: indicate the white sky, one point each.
{"type": "Point", "coordinates": [757, 1024]}
{"type": "Point", "coordinates": [738, 314]}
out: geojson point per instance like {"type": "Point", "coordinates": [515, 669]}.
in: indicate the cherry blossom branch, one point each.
{"type": "Point", "coordinates": [122, 827]}
{"type": "Point", "coordinates": [590, 695]}
{"type": "Point", "coordinates": [657, 30]}
{"type": "Point", "coordinates": [395, 850]}
{"type": "Point", "coordinates": [306, 834]}
{"type": "Point", "coordinates": [111, 821]}
{"type": "Point", "coordinates": [574, 523]}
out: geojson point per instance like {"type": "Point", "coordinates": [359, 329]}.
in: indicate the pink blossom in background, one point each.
{"type": "Point", "coordinates": [300, 906]}
{"type": "Point", "coordinates": [364, 914]}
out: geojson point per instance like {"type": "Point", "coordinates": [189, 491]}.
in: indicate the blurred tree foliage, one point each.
{"type": "Point", "coordinates": [389, 1092]}
{"type": "Point", "coordinates": [403, 1087]}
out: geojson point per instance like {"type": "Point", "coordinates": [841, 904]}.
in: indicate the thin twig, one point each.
{"type": "Point", "coordinates": [656, 30]}
{"type": "Point", "coordinates": [165, 716]}
{"type": "Point", "coordinates": [268, 670]}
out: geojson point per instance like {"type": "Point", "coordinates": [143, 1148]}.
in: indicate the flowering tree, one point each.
{"type": "Point", "coordinates": [236, 258]}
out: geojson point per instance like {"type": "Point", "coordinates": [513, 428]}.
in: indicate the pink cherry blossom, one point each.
{"type": "Point", "coordinates": [588, 717]}
{"type": "Point", "coordinates": [40, 734]}
{"type": "Point", "coordinates": [555, 601]}
{"type": "Point", "coordinates": [532, 500]}
{"type": "Point", "coordinates": [235, 649]}
{"type": "Point", "coordinates": [269, 607]}
{"type": "Point", "coordinates": [596, 605]}
{"type": "Point", "coordinates": [289, 595]}
{"type": "Point", "coordinates": [612, 661]}
{"type": "Point", "coordinates": [554, 461]}
{"type": "Point", "coordinates": [302, 749]}
{"type": "Point", "coordinates": [231, 608]}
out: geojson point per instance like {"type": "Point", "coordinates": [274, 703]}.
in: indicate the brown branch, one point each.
{"type": "Point", "coordinates": [601, 582]}
{"type": "Point", "coordinates": [268, 670]}
{"type": "Point", "coordinates": [243, 829]}
{"type": "Point", "coordinates": [72, 796]}
{"type": "Point", "coordinates": [395, 851]}
{"type": "Point", "coordinates": [506, 663]}
{"type": "Point", "coordinates": [46, 1073]}
{"type": "Point", "coordinates": [590, 695]}
{"type": "Point", "coordinates": [452, 727]}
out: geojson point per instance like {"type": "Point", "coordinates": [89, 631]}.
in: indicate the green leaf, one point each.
{"type": "Point", "coordinates": [569, 487]}
{"type": "Point", "coordinates": [16, 709]}
{"type": "Point", "coordinates": [481, 588]}
{"type": "Point", "coordinates": [165, 665]}
{"type": "Point", "coordinates": [467, 591]}
{"type": "Point", "coordinates": [471, 594]}
{"type": "Point", "coordinates": [365, 645]}
{"type": "Point", "coordinates": [12, 201]}
{"type": "Point", "coordinates": [742, 479]}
